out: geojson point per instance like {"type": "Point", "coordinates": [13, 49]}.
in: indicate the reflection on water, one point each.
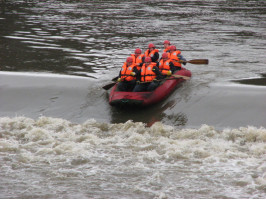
{"type": "Point", "coordinates": [149, 115]}
{"type": "Point", "coordinates": [177, 119]}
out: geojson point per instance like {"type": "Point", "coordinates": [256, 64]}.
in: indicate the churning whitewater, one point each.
{"type": "Point", "coordinates": [148, 162]}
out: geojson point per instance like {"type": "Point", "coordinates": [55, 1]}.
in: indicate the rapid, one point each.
{"type": "Point", "coordinates": [59, 137]}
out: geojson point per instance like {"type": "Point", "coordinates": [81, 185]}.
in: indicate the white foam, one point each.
{"type": "Point", "coordinates": [162, 141]}
{"type": "Point", "coordinates": [160, 153]}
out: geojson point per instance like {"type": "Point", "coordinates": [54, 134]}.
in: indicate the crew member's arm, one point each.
{"type": "Point", "coordinates": [137, 73]}
{"type": "Point", "coordinates": [159, 74]}
{"type": "Point", "coordinates": [143, 61]}
{"type": "Point", "coordinates": [119, 76]}
{"type": "Point", "coordinates": [182, 58]}
{"type": "Point", "coordinates": [173, 68]}
{"type": "Point", "coordinates": [155, 57]}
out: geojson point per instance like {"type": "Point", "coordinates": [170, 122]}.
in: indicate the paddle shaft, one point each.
{"type": "Point", "coordinates": [108, 86]}
{"type": "Point", "coordinates": [196, 61]}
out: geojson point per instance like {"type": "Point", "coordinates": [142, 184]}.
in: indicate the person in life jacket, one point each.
{"type": "Point", "coordinates": [166, 45]}
{"type": "Point", "coordinates": [127, 76]}
{"type": "Point", "coordinates": [176, 58]}
{"type": "Point", "coordinates": [165, 65]}
{"type": "Point", "coordinates": [149, 76]}
{"type": "Point", "coordinates": [138, 58]}
{"type": "Point", "coordinates": [152, 52]}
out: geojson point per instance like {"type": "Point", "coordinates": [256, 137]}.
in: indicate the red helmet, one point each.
{"type": "Point", "coordinates": [129, 59]}
{"type": "Point", "coordinates": [138, 51]}
{"type": "Point", "coordinates": [165, 55]}
{"type": "Point", "coordinates": [148, 59]}
{"type": "Point", "coordinates": [172, 48]}
{"type": "Point", "coordinates": [166, 42]}
{"type": "Point", "coordinates": [151, 45]}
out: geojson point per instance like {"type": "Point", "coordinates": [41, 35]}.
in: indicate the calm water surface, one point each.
{"type": "Point", "coordinates": [59, 138]}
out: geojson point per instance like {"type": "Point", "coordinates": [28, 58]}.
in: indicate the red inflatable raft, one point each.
{"type": "Point", "coordinates": [118, 98]}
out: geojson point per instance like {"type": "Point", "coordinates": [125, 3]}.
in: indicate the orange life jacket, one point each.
{"type": "Point", "coordinates": [167, 50]}
{"type": "Point", "coordinates": [137, 60]}
{"type": "Point", "coordinates": [125, 72]}
{"type": "Point", "coordinates": [150, 54]}
{"type": "Point", "coordinates": [174, 58]}
{"type": "Point", "coordinates": [164, 67]}
{"type": "Point", "coordinates": [147, 74]}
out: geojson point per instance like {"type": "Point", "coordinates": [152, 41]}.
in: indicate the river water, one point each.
{"type": "Point", "coordinates": [59, 137]}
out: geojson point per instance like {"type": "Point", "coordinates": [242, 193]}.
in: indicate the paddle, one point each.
{"type": "Point", "coordinates": [108, 86]}
{"type": "Point", "coordinates": [196, 61]}
{"type": "Point", "coordinates": [180, 76]}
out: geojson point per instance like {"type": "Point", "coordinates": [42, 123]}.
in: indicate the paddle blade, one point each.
{"type": "Point", "coordinates": [199, 61]}
{"type": "Point", "coordinates": [107, 87]}
{"type": "Point", "coordinates": [180, 76]}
